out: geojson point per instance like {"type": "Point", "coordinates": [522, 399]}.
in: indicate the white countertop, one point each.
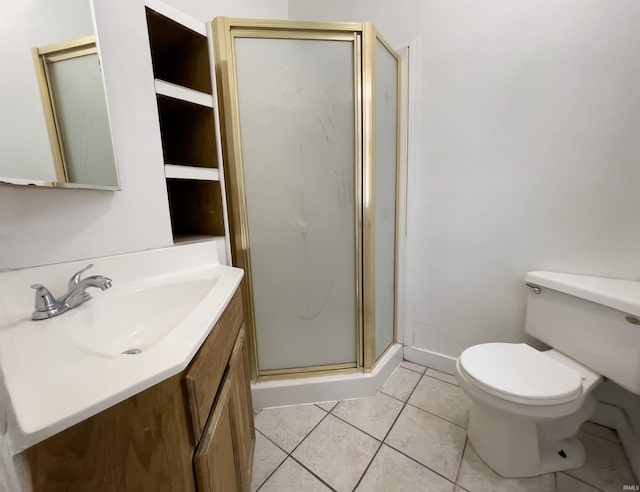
{"type": "Point", "coordinates": [53, 383]}
{"type": "Point", "coordinates": [623, 295]}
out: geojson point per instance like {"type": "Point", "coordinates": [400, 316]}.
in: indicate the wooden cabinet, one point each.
{"type": "Point", "coordinates": [242, 409]}
{"type": "Point", "coordinates": [193, 431]}
{"type": "Point", "coordinates": [229, 432]}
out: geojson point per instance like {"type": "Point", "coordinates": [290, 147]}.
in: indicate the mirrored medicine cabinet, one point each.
{"type": "Point", "coordinates": [58, 132]}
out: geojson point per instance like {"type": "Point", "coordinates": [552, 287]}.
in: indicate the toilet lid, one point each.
{"type": "Point", "coordinates": [518, 372]}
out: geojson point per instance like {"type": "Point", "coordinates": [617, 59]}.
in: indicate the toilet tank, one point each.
{"type": "Point", "coordinates": [593, 320]}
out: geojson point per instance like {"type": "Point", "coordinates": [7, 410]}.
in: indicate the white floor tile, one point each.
{"type": "Point", "coordinates": [430, 440]}
{"type": "Point", "coordinates": [401, 383]}
{"type": "Point", "coordinates": [606, 467]}
{"type": "Point", "coordinates": [392, 471]}
{"type": "Point", "coordinates": [442, 399]}
{"type": "Point", "coordinates": [266, 458]}
{"type": "Point", "coordinates": [287, 426]}
{"type": "Point", "coordinates": [374, 415]}
{"type": "Point", "coordinates": [413, 366]}
{"type": "Point", "coordinates": [476, 476]}
{"type": "Point", "coordinates": [443, 376]}
{"type": "Point", "coordinates": [291, 477]}
{"type": "Point", "coordinates": [337, 452]}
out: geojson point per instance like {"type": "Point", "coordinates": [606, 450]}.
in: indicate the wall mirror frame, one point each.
{"type": "Point", "coordinates": [60, 134]}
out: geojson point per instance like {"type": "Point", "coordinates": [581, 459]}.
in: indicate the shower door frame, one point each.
{"type": "Point", "coordinates": [370, 35]}
{"type": "Point", "coordinates": [222, 33]}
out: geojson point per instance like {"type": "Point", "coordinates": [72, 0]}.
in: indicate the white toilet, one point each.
{"type": "Point", "coordinates": [528, 405]}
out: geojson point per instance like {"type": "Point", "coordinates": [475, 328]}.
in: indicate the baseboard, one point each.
{"type": "Point", "coordinates": [616, 417]}
{"type": "Point", "coordinates": [326, 388]}
{"type": "Point", "coordinates": [435, 360]}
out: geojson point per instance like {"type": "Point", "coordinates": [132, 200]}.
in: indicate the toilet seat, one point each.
{"type": "Point", "coordinates": [519, 373]}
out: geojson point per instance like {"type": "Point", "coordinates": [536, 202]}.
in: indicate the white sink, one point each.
{"type": "Point", "coordinates": [129, 323]}
{"type": "Point", "coordinates": [60, 371]}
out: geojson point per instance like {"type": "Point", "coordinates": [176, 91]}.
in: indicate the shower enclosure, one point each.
{"type": "Point", "coordinates": [310, 139]}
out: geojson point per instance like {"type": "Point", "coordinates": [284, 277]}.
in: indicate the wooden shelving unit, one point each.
{"type": "Point", "coordinates": [188, 133]}
{"type": "Point", "coordinates": [189, 128]}
{"type": "Point", "coordinates": [179, 54]}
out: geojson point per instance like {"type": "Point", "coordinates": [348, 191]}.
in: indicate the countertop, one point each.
{"type": "Point", "coordinates": [53, 383]}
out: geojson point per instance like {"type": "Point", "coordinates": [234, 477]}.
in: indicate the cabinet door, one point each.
{"type": "Point", "coordinates": [215, 460]}
{"type": "Point", "coordinates": [242, 409]}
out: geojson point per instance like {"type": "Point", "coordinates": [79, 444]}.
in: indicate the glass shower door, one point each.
{"type": "Point", "coordinates": [386, 161]}
{"type": "Point", "coordinates": [297, 104]}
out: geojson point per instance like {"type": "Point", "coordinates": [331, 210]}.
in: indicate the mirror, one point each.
{"type": "Point", "coordinates": [58, 133]}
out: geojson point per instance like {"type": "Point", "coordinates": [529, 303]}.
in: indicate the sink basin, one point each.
{"type": "Point", "coordinates": [128, 323]}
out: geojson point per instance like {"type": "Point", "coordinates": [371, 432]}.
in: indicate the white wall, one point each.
{"type": "Point", "coordinates": [252, 9]}
{"type": "Point", "coordinates": [528, 152]}
{"type": "Point", "coordinates": [40, 226]}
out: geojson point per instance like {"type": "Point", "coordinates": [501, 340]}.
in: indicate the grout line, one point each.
{"type": "Point", "coordinates": [412, 370]}
{"type": "Point", "coordinates": [580, 480]}
{"type": "Point", "coordinates": [395, 397]}
{"type": "Point", "coordinates": [404, 404]}
{"type": "Point", "coordinates": [464, 449]}
{"type": "Point", "coordinates": [410, 392]}
{"type": "Point", "coordinates": [308, 433]}
{"type": "Point", "coordinates": [312, 473]}
{"type": "Point", "coordinates": [328, 411]}
{"type": "Point", "coordinates": [441, 380]}
{"type": "Point", "coordinates": [436, 415]}
{"type": "Point", "coordinates": [403, 453]}
{"type": "Point", "coordinates": [279, 465]}
{"type": "Point", "coordinates": [270, 474]}
{"type": "Point", "coordinates": [355, 427]}
{"type": "Point", "coordinates": [421, 464]}
{"type": "Point", "coordinates": [366, 469]}
{"type": "Point", "coordinates": [290, 454]}
{"type": "Point", "coordinates": [273, 442]}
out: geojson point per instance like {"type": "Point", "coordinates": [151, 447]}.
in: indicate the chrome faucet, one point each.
{"type": "Point", "coordinates": [47, 306]}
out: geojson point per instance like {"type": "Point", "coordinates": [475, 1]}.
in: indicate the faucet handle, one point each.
{"type": "Point", "coordinates": [44, 299]}
{"type": "Point", "coordinates": [73, 281]}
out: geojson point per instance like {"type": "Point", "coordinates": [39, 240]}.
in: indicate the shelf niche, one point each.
{"type": "Point", "coordinates": [178, 54]}
{"type": "Point", "coordinates": [195, 208]}
{"type": "Point", "coordinates": [188, 133]}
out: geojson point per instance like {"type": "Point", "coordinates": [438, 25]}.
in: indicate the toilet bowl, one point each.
{"type": "Point", "coordinates": [527, 405]}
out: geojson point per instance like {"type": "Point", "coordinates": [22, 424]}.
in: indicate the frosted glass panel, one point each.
{"type": "Point", "coordinates": [296, 102]}
{"type": "Point", "coordinates": [386, 101]}
{"type": "Point", "coordinates": [81, 114]}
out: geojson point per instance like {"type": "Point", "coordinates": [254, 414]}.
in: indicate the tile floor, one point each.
{"type": "Point", "coordinates": [409, 437]}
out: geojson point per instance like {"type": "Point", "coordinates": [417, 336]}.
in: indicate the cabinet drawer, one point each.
{"type": "Point", "coordinates": [203, 377]}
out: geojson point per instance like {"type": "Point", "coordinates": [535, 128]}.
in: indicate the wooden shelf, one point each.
{"type": "Point", "coordinates": [174, 91]}
{"type": "Point", "coordinates": [193, 238]}
{"type": "Point", "coordinates": [191, 172]}
{"type": "Point", "coordinates": [179, 55]}
{"type": "Point", "coordinates": [188, 133]}
{"type": "Point", "coordinates": [195, 207]}
{"type": "Point", "coordinates": [187, 115]}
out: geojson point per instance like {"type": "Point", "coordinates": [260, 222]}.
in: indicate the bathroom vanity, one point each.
{"type": "Point", "coordinates": [199, 420]}
{"type": "Point", "coordinates": [151, 394]}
